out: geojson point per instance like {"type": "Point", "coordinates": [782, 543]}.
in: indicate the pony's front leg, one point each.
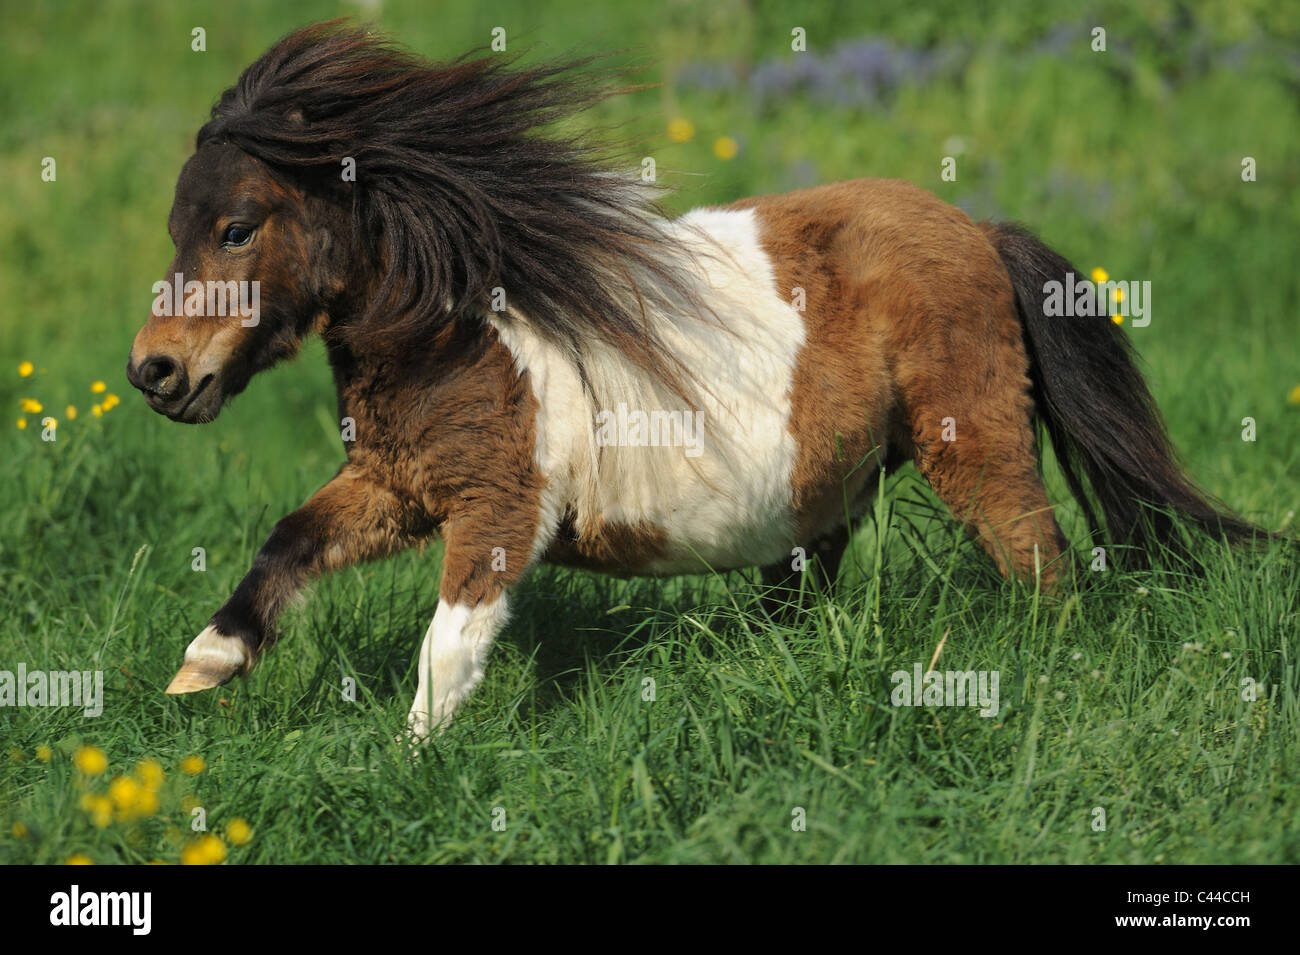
{"type": "Point", "coordinates": [350, 519]}
{"type": "Point", "coordinates": [484, 557]}
{"type": "Point", "coordinates": [452, 658]}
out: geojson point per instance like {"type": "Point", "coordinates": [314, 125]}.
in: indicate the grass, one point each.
{"type": "Point", "coordinates": [1125, 697]}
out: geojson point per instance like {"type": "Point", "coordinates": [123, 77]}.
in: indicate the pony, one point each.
{"type": "Point", "coordinates": [535, 364]}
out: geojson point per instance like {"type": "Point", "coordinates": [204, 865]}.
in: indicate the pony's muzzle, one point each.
{"type": "Point", "coordinates": [166, 387]}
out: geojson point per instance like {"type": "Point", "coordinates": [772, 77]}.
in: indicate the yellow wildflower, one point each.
{"type": "Point", "coordinates": [238, 832]}
{"type": "Point", "coordinates": [32, 406]}
{"type": "Point", "coordinates": [724, 147]}
{"type": "Point", "coordinates": [192, 765]}
{"type": "Point", "coordinates": [79, 858]}
{"type": "Point", "coordinates": [43, 753]}
{"type": "Point", "coordinates": [71, 412]}
{"type": "Point", "coordinates": [150, 773]}
{"type": "Point", "coordinates": [90, 760]}
{"type": "Point", "coordinates": [681, 130]}
{"type": "Point", "coordinates": [125, 793]}
{"type": "Point", "coordinates": [98, 387]}
{"type": "Point", "coordinates": [97, 410]}
{"type": "Point", "coordinates": [25, 368]}
{"type": "Point", "coordinates": [1293, 397]}
{"type": "Point", "coordinates": [18, 829]}
{"type": "Point", "coordinates": [16, 755]}
{"type": "Point", "coordinates": [110, 401]}
{"type": "Point", "coordinates": [1100, 275]}
{"type": "Point", "coordinates": [22, 423]}
{"type": "Point", "coordinates": [1117, 318]}
{"type": "Point", "coordinates": [99, 807]}
{"type": "Point", "coordinates": [205, 850]}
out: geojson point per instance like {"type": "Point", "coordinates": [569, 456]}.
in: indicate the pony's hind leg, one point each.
{"type": "Point", "coordinates": [979, 458]}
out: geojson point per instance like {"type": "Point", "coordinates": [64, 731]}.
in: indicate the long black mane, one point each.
{"type": "Point", "coordinates": [458, 190]}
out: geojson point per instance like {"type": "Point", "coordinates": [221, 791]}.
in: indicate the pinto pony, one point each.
{"type": "Point", "coordinates": [522, 342]}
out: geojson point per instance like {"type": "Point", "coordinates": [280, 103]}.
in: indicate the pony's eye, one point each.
{"type": "Point", "coordinates": [237, 235]}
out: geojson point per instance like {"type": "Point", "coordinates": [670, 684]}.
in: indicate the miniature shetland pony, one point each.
{"type": "Point", "coordinates": [520, 341]}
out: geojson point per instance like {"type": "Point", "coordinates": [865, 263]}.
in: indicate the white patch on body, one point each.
{"type": "Point", "coordinates": [722, 506]}
{"type": "Point", "coordinates": [451, 660]}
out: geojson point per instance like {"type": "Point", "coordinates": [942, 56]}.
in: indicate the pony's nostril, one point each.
{"type": "Point", "coordinates": [155, 370]}
{"type": "Point", "coordinates": [161, 376]}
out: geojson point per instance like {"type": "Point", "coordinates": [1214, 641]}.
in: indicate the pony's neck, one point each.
{"type": "Point", "coordinates": [450, 356]}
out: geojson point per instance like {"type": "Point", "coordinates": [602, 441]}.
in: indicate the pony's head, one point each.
{"type": "Point", "coordinates": [249, 280]}
{"type": "Point", "coordinates": [347, 187]}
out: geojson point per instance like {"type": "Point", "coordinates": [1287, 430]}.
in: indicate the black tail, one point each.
{"type": "Point", "coordinates": [1096, 408]}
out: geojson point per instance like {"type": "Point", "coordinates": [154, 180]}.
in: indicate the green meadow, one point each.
{"type": "Point", "coordinates": [1149, 717]}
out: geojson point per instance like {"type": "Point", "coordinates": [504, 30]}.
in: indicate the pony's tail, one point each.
{"type": "Point", "coordinates": [1103, 423]}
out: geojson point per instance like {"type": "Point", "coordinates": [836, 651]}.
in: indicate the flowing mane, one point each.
{"type": "Point", "coordinates": [458, 191]}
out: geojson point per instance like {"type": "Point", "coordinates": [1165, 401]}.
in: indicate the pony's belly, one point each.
{"type": "Point", "coordinates": [688, 539]}
{"type": "Point", "coordinates": [695, 558]}
{"type": "Point", "coordinates": [676, 515]}
{"type": "Point", "coordinates": [708, 533]}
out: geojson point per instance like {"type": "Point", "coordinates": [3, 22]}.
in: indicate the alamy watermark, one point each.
{"type": "Point", "coordinates": [130, 909]}
{"type": "Point", "coordinates": [946, 688]}
{"type": "Point", "coordinates": [1082, 297]}
{"type": "Point", "coordinates": [208, 299]}
{"type": "Point", "coordinates": [650, 429]}
{"type": "Point", "coordinates": [84, 688]}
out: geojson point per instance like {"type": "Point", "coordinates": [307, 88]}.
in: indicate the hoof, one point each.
{"type": "Point", "coordinates": [416, 732]}
{"type": "Point", "coordinates": [211, 660]}
{"type": "Point", "coordinates": [422, 729]}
